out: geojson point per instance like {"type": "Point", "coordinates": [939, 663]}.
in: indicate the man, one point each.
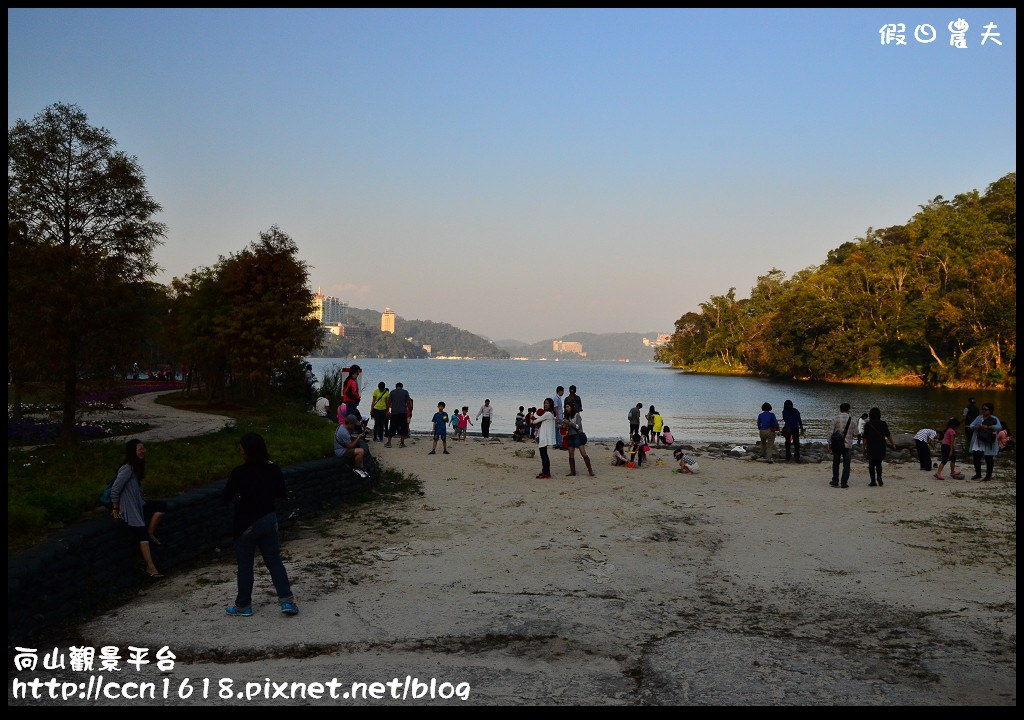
{"type": "Point", "coordinates": [574, 399]}
{"type": "Point", "coordinates": [844, 425]}
{"type": "Point", "coordinates": [379, 411]}
{"type": "Point", "coordinates": [346, 444]}
{"type": "Point", "coordinates": [971, 412]}
{"type": "Point", "coordinates": [924, 440]}
{"type": "Point", "coordinates": [485, 424]}
{"type": "Point", "coordinates": [634, 419]}
{"type": "Point", "coordinates": [559, 413]}
{"type": "Point", "coordinates": [398, 406]}
{"type": "Point", "coordinates": [310, 380]}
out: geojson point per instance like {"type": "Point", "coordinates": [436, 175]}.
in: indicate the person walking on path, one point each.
{"type": "Point", "coordinates": [379, 411]}
{"type": "Point", "coordinates": [253, 487]}
{"type": "Point", "coordinates": [573, 422]}
{"type": "Point", "coordinates": [969, 415]}
{"type": "Point", "coordinates": [128, 504]}
{"type": "Point", "coordinates": [398, 408]}
{"type": "Point", "coordinates": [350, 390]}
{"type": "Point", "coordinates": [792, 429]}
{"type": "Point", "coordinates": [546, 421]}
{"type": "Point", "coordinates": [767, 426]}
{"type": "Point", "coordinates": [949, 450]}
{"type": "Point", "coordinates": [924, 439]}
{"type": "Point", "coordinates": [984, 441]}
{"type": "Point", "coordinates": [840, 445]}
{"type": "Point", "coordinates": [485, 412]}
{"type": "Point", "coordinates": [440, 421]}
{"type": "Point", "coordinates": [876, 436]}
{"type": "Point", "coordinates": [634, 419]}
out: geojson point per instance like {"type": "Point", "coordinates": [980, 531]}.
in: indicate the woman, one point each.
{"type": "Point", "coordinates": [129, 505]}
{"type": "Point", "coordinates": [253, 486]}
{"type": "Point", "coordinates": [984, 440]}
{"type": "Point", "coordinates": [350, 389]}
{"type": "Point", "coordinates": [545, 420]}
{"type": "Point", "coordinates": [767, 426]}
{"type": "Point", "coordinates": [573, 423]}
{"type": "Point", "coordinates": [876, 437]}
{"type": "Point", "coordinates": [649, 435]}
{"type": "Point", "coordinates": [792, 428]}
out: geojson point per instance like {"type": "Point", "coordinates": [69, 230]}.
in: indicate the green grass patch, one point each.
{"type": "Point", "coordinates": [51, 486]}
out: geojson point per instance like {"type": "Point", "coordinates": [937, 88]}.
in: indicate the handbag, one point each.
{"type": "Point", "coordinates": [838, 439]}
{"type": "Point", "coordinates": [105, 495]}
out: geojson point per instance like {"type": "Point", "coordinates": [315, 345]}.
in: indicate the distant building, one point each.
{"type": "Point", "coordinates": [427, 348]}
{"type": "Point", "coordinates": [567, 347]}
{"type": "Point", "coordinates": [663, 339]}
{"type": "Point", "coordinates": [355, 331]}
{"type": "Point", "coordinates": [647, 342]}
{"type": "Point", "coordinates": [387, 321]}
{"type": "Point", "coordinates": [335, 329]}
{"type": "Point", "coordinates": [329, 310]}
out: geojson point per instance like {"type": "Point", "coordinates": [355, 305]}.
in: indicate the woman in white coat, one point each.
{"type": "Point", "coordinates": [546, 422]}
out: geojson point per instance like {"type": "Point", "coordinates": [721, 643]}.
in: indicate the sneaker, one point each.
{"type": "Point", "coordinates": [958, 476]}
{"type": "Point", "coordinates": [238, 612]}
{"type": "Point", "coordinates": [288, 608]}
{"type": "Point", "coordinates": [844, 486]}
{"type": "Point", "coordinates": [976, 477]}
{"type": "Point", "coordinates": [938, 477]}
{"type": "Point", "coordinates": [872, 484]}
{"type": "Point", "coordinates": [446, 453]}
{"type": "Point", "coordinates": [432, 452]}
{"type": "Point", "coordinates": [834, 483]}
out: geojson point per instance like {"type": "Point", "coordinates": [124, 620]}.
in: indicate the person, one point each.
{"type": "Point", "coordinates": [649, 417]}
{"type": "Point", "coordinates": [346, 444]}
{"type": "Point", "coordinates": [398, 402]}
{"type": "Point", "coordinates": [520, 430]}
{"type": "Point", "coordinates": [656, 424]}
{"type": "Point", "coordinates": [876, 437]}
{"type": "Point", "coordinates": [350, 389]}
{"type": "Point", "coordinates": [129, 505]}
{"type": "Point", "coordinates": [1003, 437]}
{"type": "Point", "coordinates": [860, 427]}
{"type": "Point", "coordinates": [984, 441]}
{"type": "Point", "coordinates": [639, 450]}
{"type": "Point", "coordinates": [546, 420]}
{"type": "Point", "coordinates": [531, 429]}
{"type": "Point", "coordinates": [574, 399]}
{"type": "Point", "coordinates": [792, 429]}
{"type": "Point", "coordinates": [767, 426]}
{"type": "Point", "coordinates": [253, 487]}
{"type": "Point", "coordinates": [619, 454]}
{"type": "Point", "coordinates": [464, 421]}
{"type": "Point", "coordinates": [440, 421]}
{"type": "Point", "coordinates": [573, 423]}
{"type": "Point", "coordinates": [666, 436]}
{"type": "Point", "coordinates": [455, 425]}
{"type": "Point", "coordinates": [844, 430]}
{"type": "Point", "coordinates": [323, 405]}
{"type": "Point", "coordinates": [379, 411]}
{"type": "Point", "coordinates": [969, 415]}
{"type": "Point", "coordinates": [688, 464]}
{"type": "Point", "coordinates": [135, 371]}
{"type": "Point", "coordinates": [634, 419]}
{"type": "Point", "coordinates": [949, 450]}
{"type": "Point", "coordinates": [485, 411]}
{"type": "Point", "coordinates": [645, 433]}
{"type": "Point", "coordinates": [310, 380]}
{"type": "Point", "coordinates": [924, 439]}
{"type": "Point", "coordinates": [408, 419]}
{"type": "Point", "coordinates": [559, 413]}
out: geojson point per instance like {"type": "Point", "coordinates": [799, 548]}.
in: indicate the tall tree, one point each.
{"type": "Point", "coordinates": [84, 206]}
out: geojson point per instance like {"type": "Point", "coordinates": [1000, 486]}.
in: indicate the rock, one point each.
{"type": "Point", "coordinates": [526, 452]}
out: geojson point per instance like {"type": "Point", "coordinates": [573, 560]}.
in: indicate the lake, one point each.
{"type": "Point", "coordinates": [698, 408]}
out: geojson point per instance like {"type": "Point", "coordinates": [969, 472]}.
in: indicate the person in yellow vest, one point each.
{"type": "Point", "coordinates": [379, 411]}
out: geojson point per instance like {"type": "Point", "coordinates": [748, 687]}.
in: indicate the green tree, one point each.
{"type": "Point", "coordinates": [84, 207]}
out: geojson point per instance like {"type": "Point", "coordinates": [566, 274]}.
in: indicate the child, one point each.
{"type": "Point", "coordinates": [860, 427]}
{"type": "Point", "coordinates": [667, 437]}
{"type": "Point", "coordinates": [619, 456]}
{"type": "Point", "coordinates": [687, 464]}
{"type": "Point", "coordinates": [464, 421]}
{"type": "Point", "coordinates": [639, 450]}
{"type": "Point", "coordinates": [531, 430]}
{"type": "Point", "coordinates": [455, 424]}
{"type": "Point", "coordinates": [440, 421]}
{"type": "Point", "coordinates": [949, 450]}
{"type": "Point", "coordinates": [645, 433]}
{"type": "Point", "coordinates": [520, 430]}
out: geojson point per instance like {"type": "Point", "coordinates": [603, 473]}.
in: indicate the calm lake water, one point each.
{"type": "Point", "coordinates": [698, 408]}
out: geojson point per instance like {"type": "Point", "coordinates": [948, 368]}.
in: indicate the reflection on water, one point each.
{"type": "Point", "coordinates": [698, 408]}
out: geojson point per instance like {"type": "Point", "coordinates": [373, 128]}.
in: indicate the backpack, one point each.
{"type": "Point", "coordinates": [985, 435]}
{"type": "Point", "coordinates": [105, 500]}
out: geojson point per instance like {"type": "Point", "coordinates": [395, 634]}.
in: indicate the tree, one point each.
{"type": "Point", "coordinates": [85, 208]}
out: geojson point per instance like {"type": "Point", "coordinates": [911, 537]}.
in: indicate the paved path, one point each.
{"type": "Point", "coordinates": [168, 423]}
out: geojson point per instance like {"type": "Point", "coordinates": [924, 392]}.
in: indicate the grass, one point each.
{"type": "Point", "coordinates": [52, 486]}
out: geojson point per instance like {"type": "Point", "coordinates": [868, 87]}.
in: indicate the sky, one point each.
{"type": "Point", "coordinates": [525, 174]}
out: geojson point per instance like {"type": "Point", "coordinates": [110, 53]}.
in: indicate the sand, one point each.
{"type": "Point", "coordinates": [746, 584]}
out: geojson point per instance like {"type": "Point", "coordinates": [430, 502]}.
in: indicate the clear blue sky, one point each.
{"type": "Point", "coordinates": [530, 173]}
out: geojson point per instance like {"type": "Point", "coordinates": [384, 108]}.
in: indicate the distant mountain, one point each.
{"type": "Point", "coordinates": [443, 339]}
{"type": "Point", "coordinates": [511, 344]}
{"type": "Point", "coordinates": [603, 346]}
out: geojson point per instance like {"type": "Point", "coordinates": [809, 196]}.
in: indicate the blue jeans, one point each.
{"type": "Point", "coordinates": [262, 534]}
{"type": "Point", "coordinates": [845, 458]}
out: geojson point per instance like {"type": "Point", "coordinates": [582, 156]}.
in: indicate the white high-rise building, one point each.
{"type": "Point", "coordinates": [387, 321]}
{"type": "Point", "coordinates": [329, 310]}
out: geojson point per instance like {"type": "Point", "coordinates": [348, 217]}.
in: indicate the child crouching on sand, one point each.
{"type": "Point", "coordinates": [688, 464]}
{"type": "Point", "coordinates": [639, 451]}
{"type": "Point", "coordinates": [619, 456]}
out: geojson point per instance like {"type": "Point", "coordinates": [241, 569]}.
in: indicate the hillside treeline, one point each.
{"type": "Point", "coordinates": [929, 302]}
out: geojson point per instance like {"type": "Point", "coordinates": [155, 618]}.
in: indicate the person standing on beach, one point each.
{"type": "Point", "coordinates": [634, 419]}
{"type": "Point", "coordinates": [970, 414]}
{"type": "Point", "coordinates": [985, 441]}
{"type": "Point", "coordinates": [398, 408]}
{"type": "Point", "coordinates": [876, 436]}
{"type": "Point", "coordinates": [546, 421]}
{"type": "Point", "coordinates": [379, 411]}
{"type": "Point", "coordinates": [350, 390]}
{"type": "Point", "coordinates": [792, 428]}
{"type": "Point", "coordinates": [574, 399]}
{"type": "Point", "coordinates": [860, 427]}
{"type": "Point", "coordinates": [573, 423]}
{"type": "Point", "coordinates": [464, 422]}
{"type": "Point", "coordinates": [924, 439]}
{"type": "Point", "coordinates": [485, 412]}
{"type": "Point", "coordinates": [767, 426]}
{"type": "Point", "coordinates": [843, 431]}
{"type": "Point", "coordinates": [440, 421]}
{"type": "Point", "coordinates": [949, 450]}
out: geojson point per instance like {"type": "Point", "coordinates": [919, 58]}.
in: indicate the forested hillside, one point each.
{"type": "Point", "coordinates": [443, 339]}
{"type": "Point", "coordinates": [929, 302]}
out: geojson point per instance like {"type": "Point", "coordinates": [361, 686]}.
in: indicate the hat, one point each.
{"type": "Point", "coordinates": [351, 419]}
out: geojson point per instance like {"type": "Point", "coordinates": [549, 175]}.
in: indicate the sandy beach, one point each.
{"type": "Point", "coordinates": [746, 584]}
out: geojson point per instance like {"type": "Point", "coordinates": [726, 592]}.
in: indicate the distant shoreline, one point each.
{"type": "Point", "coordinates": [895, 382]}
